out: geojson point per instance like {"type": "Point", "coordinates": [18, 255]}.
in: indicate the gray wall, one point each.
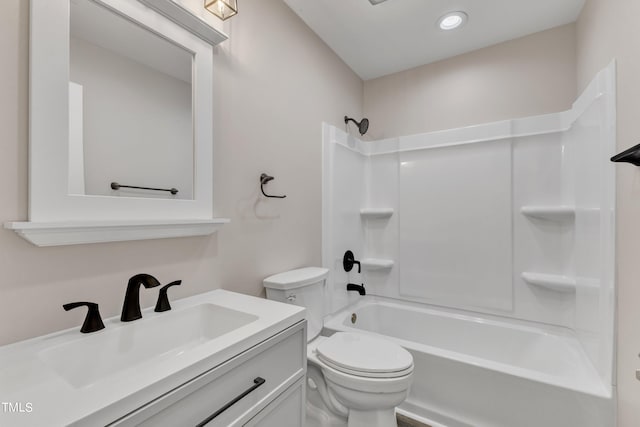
{"type": "Point", "coordinates": [523, 77]}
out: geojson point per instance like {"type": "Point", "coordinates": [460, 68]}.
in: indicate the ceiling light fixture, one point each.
{"type": "Point", "coordinates": [452, 20]}
{"type": "Point", "coordinates": [375, 2]}
{"type": "Point", "coordinates": [223, 9]}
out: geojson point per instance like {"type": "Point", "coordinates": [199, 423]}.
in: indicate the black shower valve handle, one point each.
{"type": "Point", "coordinates": [349, 260]}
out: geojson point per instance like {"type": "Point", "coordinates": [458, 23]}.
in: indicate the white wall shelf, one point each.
{"type": "Point", "coordinates": [554, 282]}
{"type": "Point", "coordinates": [75, 233]}
{"type": "Point", "coordinates": [550, 213]}
{"type": "Point", "coordinates": [376, 264]}
{"type": "Point", "coordinates": [376, 213]}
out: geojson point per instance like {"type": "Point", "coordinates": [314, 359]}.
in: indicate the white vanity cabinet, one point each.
{"type": "Point", "coordinates": [177, 368]}
{"type": "Point", "coordinates": [234, 393]}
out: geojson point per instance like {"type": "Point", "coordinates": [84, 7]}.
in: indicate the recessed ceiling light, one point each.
{"type": "Point", "coordinates": [452, 20]}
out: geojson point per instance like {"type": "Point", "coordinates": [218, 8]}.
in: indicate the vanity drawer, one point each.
{"type": "Point", "coordinates": [288, 409]}
{"type": "Point", "coordinates": [280, 361]}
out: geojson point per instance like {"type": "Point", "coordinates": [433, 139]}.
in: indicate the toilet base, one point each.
{"type": "Point", "coordinates": [317, 413]}
{"type": "Point", "coordinates": [381, 418]}
{"type": "Point", "coordinates": [321, 417]}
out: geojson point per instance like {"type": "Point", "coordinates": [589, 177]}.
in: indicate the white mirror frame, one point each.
{"type": "Point", "coordinates": [51, 209]}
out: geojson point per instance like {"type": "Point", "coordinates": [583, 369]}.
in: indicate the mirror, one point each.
{"type": "Point", "coordinates": [118, 93]}
{"type": "Point", "coordinates": [130, 108]}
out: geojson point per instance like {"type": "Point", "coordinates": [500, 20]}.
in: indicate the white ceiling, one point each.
{"type": "Point", "coordinates": [396, 35]}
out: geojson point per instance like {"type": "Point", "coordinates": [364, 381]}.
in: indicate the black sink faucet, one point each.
{"type": "Point", "coordinates": [131, 306]}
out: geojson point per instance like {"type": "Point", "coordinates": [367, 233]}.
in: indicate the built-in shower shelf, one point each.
{"type": "Point", "coordinates": [550, 213]}
{"type": "Point", "coordinates": [554, 282]}
{"type": "Point", "coordinates": [376, 213]}
{"type": "Point", "coordinates": [376, 264]}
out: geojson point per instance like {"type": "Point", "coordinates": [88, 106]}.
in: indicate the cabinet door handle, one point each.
{"type": "Point", "coordinates": [256, 383]}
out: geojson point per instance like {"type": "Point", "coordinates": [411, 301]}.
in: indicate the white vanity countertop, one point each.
{"type": "Point", "coordinates": [42, 396]}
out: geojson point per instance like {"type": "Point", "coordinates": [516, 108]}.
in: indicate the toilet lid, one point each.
{"type": "Point", "coordinates": [364, 355]}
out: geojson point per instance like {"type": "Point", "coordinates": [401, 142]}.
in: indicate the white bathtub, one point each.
{"type": "Point", "coordinates": [475, 371]}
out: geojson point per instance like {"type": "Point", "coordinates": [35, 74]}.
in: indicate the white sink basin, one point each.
{"type": "Point", "coordinates": [98, 356]}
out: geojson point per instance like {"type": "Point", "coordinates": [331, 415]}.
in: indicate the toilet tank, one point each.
{"type": "Point", "coordinates": [303, 287]}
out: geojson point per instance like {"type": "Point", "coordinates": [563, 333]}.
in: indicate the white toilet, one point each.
{"type": "Point", "coordinates": [352, 379]}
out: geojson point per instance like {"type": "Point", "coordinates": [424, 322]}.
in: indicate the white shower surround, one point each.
{"type": "Point", "coordinates": [553, 218]}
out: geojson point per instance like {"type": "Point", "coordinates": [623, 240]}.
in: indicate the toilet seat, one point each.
{"type": "Point", "coordinates": [357, 381]}
{"type": "Point", "coordinates": [364, 356]}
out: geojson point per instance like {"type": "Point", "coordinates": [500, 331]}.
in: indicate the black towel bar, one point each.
{"type": "Point", "coordinates": [116, 186]}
